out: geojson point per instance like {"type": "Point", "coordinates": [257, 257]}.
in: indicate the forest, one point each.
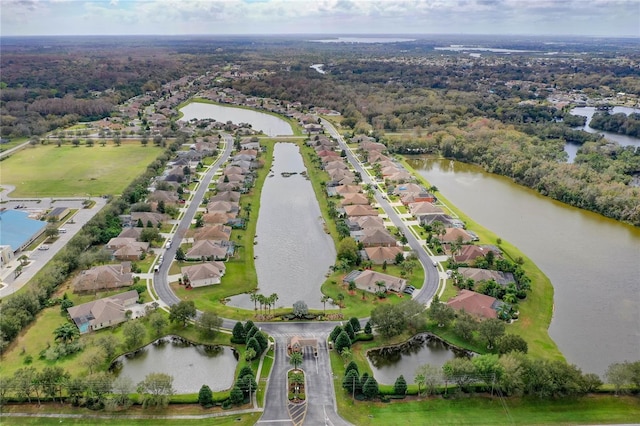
{"type": "Point", "coordinates": [492, 110]}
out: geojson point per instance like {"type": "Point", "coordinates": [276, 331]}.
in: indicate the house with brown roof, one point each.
{"type": "Point", "coordinates": [130, 233]}
{"type": "Point", "coordinates": [366, 280]}
{"type": "Point", "coordinates": [223, 206]}
{"type": "Point", "coordinates": [421, 208]}
{"type": "Point", "coordinates": [218, 218]}
{"type": "Point", "coordinates": [456, 234]}
{"type": "Point", "coordinates": [168, 197]}
{"type": "Point", "coordinates": [103, 277]}
{"type": "Point", "coordinates": [475, 304]}
{"type": "Point", "coordinates": [208, 249]}
{"type": "Point", "coordinates": [359, 210]}
{"type": "Point", "coordinates": [146, 217]}
{"type": "Point", "coordinates": [229, 196]}
{"type": "Point", "coordinates": [124, 248]}
{"type": "Point", "coordinates": [375, 237]}
{"type": "Point", "coordinates": [379, 255]}
{"type": "Point", "coordinates": [416, 197]}
{"type": "Point", "coordinates": [347, 189]}
{"type": "Point", "coordinates": [297, 344]}
{"type": "Point", "coordinates": [364, 222]}
{"type": "Point", "coordinates": [204, 274]}
{"type": "Point", "coordinates": [477, 275]}
{"type": "Point", "coordinates": [213, 232]}
{"type": "Point", "coordinates": [469, 253]}
{"type": "Point", "coordinates": [354, 199]}
{"type": "Point", "coordinates": [104, 312]}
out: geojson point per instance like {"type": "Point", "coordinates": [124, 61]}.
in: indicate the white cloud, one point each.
{"type": "Point", "coordinates": [614, 17]}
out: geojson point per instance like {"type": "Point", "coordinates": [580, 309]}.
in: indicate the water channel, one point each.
{"type": "Point", "coordinates": [190, 365]}
{"type": "Point", "coordinates": [267, 123]}
{"type": "Point", "coordinates": [624, 140]}
{"type": "Point", "coordinates": [593, 262]}
{"type": "Point", "coordinates": [293, 251]}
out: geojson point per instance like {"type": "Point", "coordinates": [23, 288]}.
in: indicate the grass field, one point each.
{"type": "Point", "coordinates": [51, 171]}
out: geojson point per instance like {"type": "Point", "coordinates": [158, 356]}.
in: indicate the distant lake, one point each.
{"type": "Point", "coordinates": [267, 123]}
{"type": "Point", "coordinates": [463, 48]}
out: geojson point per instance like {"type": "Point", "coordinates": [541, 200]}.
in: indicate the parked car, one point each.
{"type": "Point", "coordinates": [43, 247]}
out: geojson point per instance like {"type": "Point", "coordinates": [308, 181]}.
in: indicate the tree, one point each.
{"type": "Point", "coordinates": [618, 374]}
{"type": "Point", "coordinates": [92, 358]}
{"type": "Point", "coordinates": [134, 333]}
{"type": "Point", "coordinates": [355, 324]}
{"type": "Point", "coordinates": [510, 343]}
{"type": "Point", "coordinates": [238, 334]}
{"type": "Point", "coordinates": [324, 301]}
{"type": "Point", "coordinates": [98, 385]}
{"type": "Point", "coordinates": [441, 313]}
{"type": "Point", "coordinates": [367, 328]}
{"type": "Point", "coordinates": [208, 324]}
{"type": "Point", "coordinates": [465, 325]}
{"type": "Point", "coordinates": [349, 329]}
{"type": "Point", "coordinates": [459, 370]}
{"type": "Point", "coordinates": [52, 380]}
{"type": "Point", "coordinates": [346, 355]}
{"type": "Point", "coordinates": [428, 376]}
{"type": "Point", "coordinates": [205, 396]}
{"type": "Point", "coordinates": [351, 381]}
{"type": "Point", "coordinates": [157, 389]}
{"type": "Point", "coordinates": [348, 250]}
{"type": "Point", "coordinates": [370, 388]}
{"type": "Point", "coordinates": [109, 344]}
{"type": "Point", "coordinates": [295, 359]}
{"type": "Point", "coordinates": [250, 354]}
{"type": "Point", "coordinates": [66, 333]}
{"type": "Point", "coordinates": [335, 333]}
{"type": "Point", "coordinates": [342, 341]}
{"type": "Point", "coordinates": [400, 386]}
{"type": "Point", "coordinates": [300, 309]}
{"type": "Point", "coordinates": [182, 312]}
{"type": "Point", "coordinates": [122, 387]}
{"type": "Point", "coordinates": [236, 397]}
{"type": "Point", "coordinates": [158, 322]}
{"type": "Point", "coordinates": [148, 235]}
{"type": "Point", "coordinates": [487, 368]}
{"type": "Point", "coordinates": [491, 329]}
{"type": "Point", "coordinates": [389, 320]}
{"type": "Point", "coordinates": [253, 344]}
{"type": "Point", "coordinates": [351, 366]}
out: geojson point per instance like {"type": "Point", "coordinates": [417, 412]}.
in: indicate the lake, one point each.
{"type": "Point", "coordinates": [269, 124]}
{"type": "Point", "coordinates": [293, 251]}
{"type": "Point", "coordinates": [572, 149]}
{"type": "Point", "coordinates": [592, 261]}
{"type": "Point", "coordinates": [190, 365]}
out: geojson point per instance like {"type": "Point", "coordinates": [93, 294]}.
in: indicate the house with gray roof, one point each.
{"type": "Point", "coordinates": [102, 313]}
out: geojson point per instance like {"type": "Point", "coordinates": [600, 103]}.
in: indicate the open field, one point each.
{"type": "Point", "coordinates": [47, 171]}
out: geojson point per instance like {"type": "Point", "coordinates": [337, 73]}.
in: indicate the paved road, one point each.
{"type": "Point", "coordinates": [39, 258]}
{"type": "Point", "coordinates": [320, 408]}
{"type": "Point", "coordinates": [161, 281]}
{"type": "Point", "coordinates": [431, 278]}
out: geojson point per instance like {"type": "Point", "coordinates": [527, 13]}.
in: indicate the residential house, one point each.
{"type": "Point", "coordinates": [213, 232]}
{"type": "Point", "coordinates": [475, 304]}
{"type": "Point", "coordinates": [209, 249]}
{"type": "Point", "coordinates": [477, 275]}
{"type": "Point", "coordinates": [468, 253]}
{"type": "Point", "coordinates": [379, 255]}
{"type": "Point", "coordinates": [354, 199]}
{"type": "Point", "coordinates": [204, 274]}
{"type": "Point", "coordinates": [456, 234]}
{"type": "Point", "coordinates": [148, 217]}
{"type": "Point", "coordinates": [103, 277]}
{"type": "Point", "coordinates": [104, 312]}
{"type": "Point", "coordinates": [375, 237]}
{"type": "Point", "coordinates": [367, 280]}
{"type": "Point", "coordinates": [358, 210]}
{"type": "Point", "coordinates": [229, 196]}
{"type": "Point", "coordinates": [422, 208]}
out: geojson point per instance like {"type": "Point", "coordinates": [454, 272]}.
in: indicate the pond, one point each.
{"type": "Point", "coordinates": [190, 365]}
{"type": "Point", "coordinates": [592, 261]}
{"type": "Point", "coordinates": [390, 362]}
{"type": "Point", "coordinates": [293, 251]}
{"type": "Point", "coordinates": [269, 124]}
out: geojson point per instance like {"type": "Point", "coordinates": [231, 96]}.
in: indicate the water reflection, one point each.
{"type": "Point", "coordinates": [390, 362]}
{"type": "Point", "coordinates": [190, 365]}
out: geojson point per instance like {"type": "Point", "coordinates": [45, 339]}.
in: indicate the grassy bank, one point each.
{"type": "Point", "coordinates": [537, 310]}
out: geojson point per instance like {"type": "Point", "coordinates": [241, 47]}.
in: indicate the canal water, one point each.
{"type": "Point", "coordinates": [267, 123]}
{"type": "Point", "coordinates": [293, 250]}
{"type": "Point", "coordinates": [190, 365]}
{"type": "Point", "coordinates": [593, 262]}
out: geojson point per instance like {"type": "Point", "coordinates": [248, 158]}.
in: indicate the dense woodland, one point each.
{"type": "Point", "coordinates": [490, 110]}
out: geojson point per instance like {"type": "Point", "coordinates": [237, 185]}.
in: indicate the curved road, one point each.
{"type": "Point", "coordinates": [320, 408]}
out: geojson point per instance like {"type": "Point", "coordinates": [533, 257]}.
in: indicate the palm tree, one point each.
{"type": "Point", "coordinates": [381, 285]}
{"type": "Point", "coordinates": [66, 333]}
{"type": "Point", "coordinates": [254, 298]}
{"type": "Point", "coordinates": [295, 359]}
{"type": "Point", "coordinates": [438, 228]}
{"type": "Point", "coordinates": [324, 301]}
{"type": "Point", "coordinates": [340, 298]}
{"type": "Point", "coordinates": [273, 299]}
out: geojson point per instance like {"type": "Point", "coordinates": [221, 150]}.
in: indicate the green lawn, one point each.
{"type": "Point", "coordinates": [46, 170]}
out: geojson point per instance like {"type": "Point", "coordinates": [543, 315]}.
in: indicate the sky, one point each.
{"type": "Point", "coordinates": [612, 18]}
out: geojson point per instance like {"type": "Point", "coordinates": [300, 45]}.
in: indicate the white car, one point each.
{"type": "Point", "coordinates": [43, 247]}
